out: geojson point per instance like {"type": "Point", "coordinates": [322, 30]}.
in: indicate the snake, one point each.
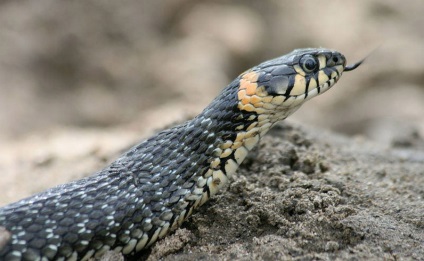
{"type": "Point", "coordinates": [152, 188]}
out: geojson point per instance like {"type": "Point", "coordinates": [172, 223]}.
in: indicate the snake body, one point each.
{"type": "Point", "coordinates": [155, 186]}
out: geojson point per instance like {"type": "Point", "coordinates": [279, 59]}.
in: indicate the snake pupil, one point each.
{"type": "Point", "coordinates": [309, 63]}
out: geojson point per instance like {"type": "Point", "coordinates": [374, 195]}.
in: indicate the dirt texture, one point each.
{"type": "Point", "coordinates": [308, 194]}
{"type": "Point", "coordinates": [342, 179]}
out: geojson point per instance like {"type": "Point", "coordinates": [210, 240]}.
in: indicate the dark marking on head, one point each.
{"type": "Point", "coordinates": [278, 85]}
{"type": "Point", "coordinates": [289, 86]}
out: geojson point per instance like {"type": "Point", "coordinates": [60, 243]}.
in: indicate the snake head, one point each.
{"type": "Point", "coordinates": [289, 80]}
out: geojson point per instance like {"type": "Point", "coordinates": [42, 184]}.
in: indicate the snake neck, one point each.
{"type": "Point", "coordinates": [228, 133]}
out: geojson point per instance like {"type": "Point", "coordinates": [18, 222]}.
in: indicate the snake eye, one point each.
{"type": "Point", "coordinates": [309, 63]}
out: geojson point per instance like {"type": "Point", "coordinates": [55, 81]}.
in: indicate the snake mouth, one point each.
{"type": "Point", "coordinates": [317, 83]}
{"type": "Point", "coordinates": [333, 78]}
{"type": "Point", "coordinates": [333, 75]}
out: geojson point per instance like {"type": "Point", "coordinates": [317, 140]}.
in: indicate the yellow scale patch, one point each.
{"type": "Point", "coordinates": [251, 98]}
{"type": "Point", "coordinates": [322, 77]}
{"type": "Point", "coordinates": [255, 98]}
{"type": "Point", "coordinates": [300, 87]}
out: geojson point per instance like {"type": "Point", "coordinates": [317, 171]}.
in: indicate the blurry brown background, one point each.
{"type": "Point", "coordinates": [84, 78]}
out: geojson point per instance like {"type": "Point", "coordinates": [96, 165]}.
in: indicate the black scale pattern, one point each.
{"type": "Point", "coordinates": [140, 191]}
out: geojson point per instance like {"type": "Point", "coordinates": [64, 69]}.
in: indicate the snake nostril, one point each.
{"type": "Point", "coordinates": [335, 59]}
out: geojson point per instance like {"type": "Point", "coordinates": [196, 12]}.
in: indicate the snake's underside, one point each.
{"type": "Point", "coordinates": [155, 186]}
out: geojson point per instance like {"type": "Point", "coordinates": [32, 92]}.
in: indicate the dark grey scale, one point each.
{"type": "Point", "coordinates": [328, 71]}
{"type": "Point", "coordinates": [124, 236]}
{"type": "Point", "coordinates": [22, 247]}
{"type": "Point", "coordinates": [264, 78]}
{"type": "Point", "coordinates": [37, 243]}
{"type": "Point", "coordinates": [79, 247]}
{"type": "Point", "coordinates": [265, 70]}
{"type": "Point", "coordinates": [278, 84]}
{"type": "Point", "coordinates": [283, 71]}
{"type": "Point", "coordinates": [30, 254]}
{"type": "Point", "coordinates": [66, 250]}
{"type": "Point", "coordinates": [208, 152]}
{"type": "Point", "coordinates": [144, 169]}
{"type": "Point", "coordinates": [48, 252]}
{"type": "Point", "coordinates": [96, 244]}
{"type": "Point", "coordinates": [328, 56]}
{"type": "Point", "coordinates": [87, 201]}
{"type": "Point", "coordinates": [229, 136]}
{"type": "Point", "coordinates": [228, 125]}
{"type": "Point", "coordinates": [245, 120]}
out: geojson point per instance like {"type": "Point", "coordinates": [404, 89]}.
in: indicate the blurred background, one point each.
{"type": "Point", "coordinates": [76, 74]}
{"type": "Point", "coordinates": [103, 63]}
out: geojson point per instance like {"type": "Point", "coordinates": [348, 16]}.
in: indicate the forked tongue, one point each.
{"type": "Point", "coordinates": [352, 67]}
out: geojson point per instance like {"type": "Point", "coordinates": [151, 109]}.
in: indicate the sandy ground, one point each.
{"type": "Point", "coordinates": [82, 81]}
